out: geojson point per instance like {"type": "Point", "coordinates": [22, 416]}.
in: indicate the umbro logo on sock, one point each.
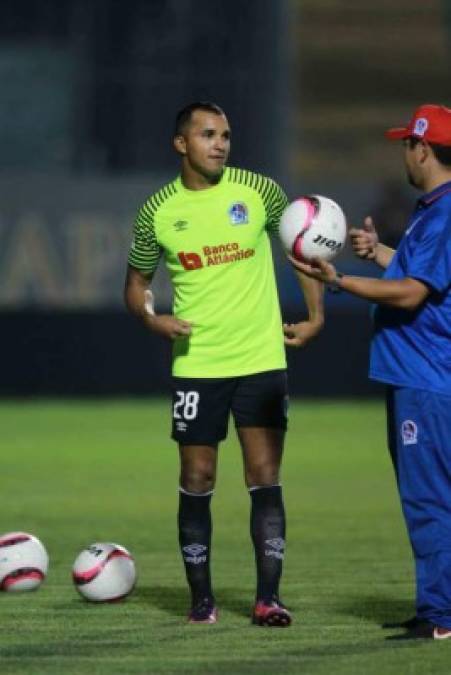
{"type": "Point", "coordinates": [277, 547]}
{"type": "Point", "coordinates": [278, 543]}
{"type": "Point", "coordinates": [194, 551]}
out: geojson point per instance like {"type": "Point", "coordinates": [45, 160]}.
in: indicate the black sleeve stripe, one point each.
{"type": "Point", "coordinates": [159, 198]}
{"type": "Point", "coordinates": [272, 192]}
{"type": "Point", "coordinates": [260, 184]}
{"type": "Point", "coordinates": [275, 202]}
{"type": "Point", "coordinates": [254, 181]}
{"type": "Point", "coordinates": [145, 250]}
{"type": "Point", "coordinates": [265, 192]}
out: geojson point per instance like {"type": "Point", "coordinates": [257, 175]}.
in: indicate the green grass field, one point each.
{"type": "Point", "coordinates": [76, 472]}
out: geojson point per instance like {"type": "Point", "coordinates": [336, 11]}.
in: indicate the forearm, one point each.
{"type": "Point", "coordinates": [383, 255]}
{"type": "Point", "coordinates": [136, 301]}
{"type": "Point", "coordinates": [139, 302]}
{"type": "Point", "coordinates": [313, 291]}
{"type": "Point", "coordinates": [404, 293]}
{"type": "Point", "coordinates": [140, 307]}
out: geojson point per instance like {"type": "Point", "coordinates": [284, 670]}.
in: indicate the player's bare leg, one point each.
{"type": "Point", "coordinates": [262, 455]}
{"type": "Point", "coordinates": [197, 481]}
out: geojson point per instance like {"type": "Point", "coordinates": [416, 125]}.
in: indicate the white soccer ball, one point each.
{"type": "Point", "coordinates": [313, 226]}
{"type": "Point", "coordinates": [23, 562]}
{"type": "Point", "coordinates": [104, 572]}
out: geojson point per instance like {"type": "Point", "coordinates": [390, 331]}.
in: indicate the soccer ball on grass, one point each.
{"type": "Point", "coordinates": [104, 572]}
{"type": "Point", "coordinates": [23, 562]}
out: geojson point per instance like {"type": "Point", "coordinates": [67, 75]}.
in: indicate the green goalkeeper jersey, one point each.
{"type": "Point", "coordinates": [216, 247]}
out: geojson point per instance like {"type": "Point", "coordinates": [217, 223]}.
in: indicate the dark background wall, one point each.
{"type": "Point", "coordinates": [98, 353]}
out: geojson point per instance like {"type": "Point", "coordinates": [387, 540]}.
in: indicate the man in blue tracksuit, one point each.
{"type": "Point", "coordinates": [411, 354]}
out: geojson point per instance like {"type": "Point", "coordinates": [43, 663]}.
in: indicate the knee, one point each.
{"type": "Point", "coordinates": [263, 474]}
{"type": "Point", "coordinates": [198, 478]}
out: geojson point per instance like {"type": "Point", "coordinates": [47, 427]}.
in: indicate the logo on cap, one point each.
{"type": "Point", "coordinates": [421, 126]}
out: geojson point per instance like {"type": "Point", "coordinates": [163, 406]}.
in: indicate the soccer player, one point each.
{"type": "Point", "coordinates": [411, 354]}
{"type": "Point", "coordinates": [211, 224]}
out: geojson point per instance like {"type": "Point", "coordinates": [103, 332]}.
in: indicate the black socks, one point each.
{"type": "Point", "coordinates": [268, 536]}
{"type": "Point", "coordinates": [267, 531]}
{"type": "Point", "coordinates": [194, 521]}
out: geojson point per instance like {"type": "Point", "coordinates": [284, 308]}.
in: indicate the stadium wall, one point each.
{"type": "Point", "coordinates": [78, 353]}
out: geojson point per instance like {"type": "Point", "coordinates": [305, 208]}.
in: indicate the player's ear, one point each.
{"type": "Point", "coordinates": [424, 151]}
{"type": "Point", "coordinates": [180, 144]}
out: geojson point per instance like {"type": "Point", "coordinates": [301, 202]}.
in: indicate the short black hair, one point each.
{"type": "Point", "coordinates": [442, 153]}
{"type": "Point", "coordinates": [184, 115]}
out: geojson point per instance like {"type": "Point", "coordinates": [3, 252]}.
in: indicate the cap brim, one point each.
{"type": "Point", "coordinates": [397, 134]}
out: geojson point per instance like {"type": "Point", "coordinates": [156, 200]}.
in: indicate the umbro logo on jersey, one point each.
{"type": "Point", "coordinates": [180, 225]}
{"type": "Point", "coordinates": [238, 214]}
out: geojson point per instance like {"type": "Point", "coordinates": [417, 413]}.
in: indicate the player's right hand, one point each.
{"type": "Point", "coordinates": [364, 241]}
{"type": "Point", "coordinates": [169, 326]}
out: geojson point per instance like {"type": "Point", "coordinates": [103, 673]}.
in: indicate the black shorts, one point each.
{"type": "Point", "coordinates": [201, 406]}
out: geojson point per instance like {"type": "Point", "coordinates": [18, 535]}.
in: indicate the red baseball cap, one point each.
{"type": "Point", "coordinates": [429, 122]}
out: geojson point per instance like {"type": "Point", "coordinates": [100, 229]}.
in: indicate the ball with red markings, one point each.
{"type": "Point", "coordinates": [23, 562]}
{"type": "Point", "coordinates": [104, 572]}
{"type": "Point", "coordinates": [313, 227]}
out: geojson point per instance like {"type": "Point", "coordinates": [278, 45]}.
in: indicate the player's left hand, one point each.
{"type": "Point", "coordinates": [298, 334]}
{"type": "Point", "coordinates": [318, 269]}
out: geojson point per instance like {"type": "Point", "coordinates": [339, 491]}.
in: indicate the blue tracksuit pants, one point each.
{"type": "Point", "coordinates": [419, 437]}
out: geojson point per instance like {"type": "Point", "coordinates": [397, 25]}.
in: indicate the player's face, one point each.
{"type": "Point", "coordinates": [205, 144]}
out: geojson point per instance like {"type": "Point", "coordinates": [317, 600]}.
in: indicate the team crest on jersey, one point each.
{"type": "Point", "coordinates": [238, 214]}
{"type": "Point", "coordinates": [409, 432]}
